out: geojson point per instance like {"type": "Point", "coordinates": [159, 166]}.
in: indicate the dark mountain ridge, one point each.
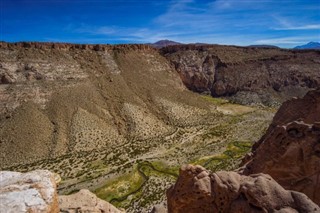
{"type": "Point", "coordinates": [310, 45]}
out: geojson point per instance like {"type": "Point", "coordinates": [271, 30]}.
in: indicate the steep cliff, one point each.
{"type": "Point", "coordinates": [251, 75]}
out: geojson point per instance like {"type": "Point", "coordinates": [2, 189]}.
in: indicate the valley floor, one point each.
{"type": "Point", "coordinates": [135, 174]}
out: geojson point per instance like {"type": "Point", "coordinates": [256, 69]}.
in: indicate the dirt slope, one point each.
{"type": "Point", "coordinates": [61, 99]}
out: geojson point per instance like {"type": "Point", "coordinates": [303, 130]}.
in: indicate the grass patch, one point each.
{"type": "Point", "coordinates": [228, 160]}
{"type": "Point", "coordinates": [160, 167]}
{"type": "Point", "coordinates": [120, 187]}
{"type": "Point", "coordinates": [215, 101]}
{"type": "Point", "coordinates": [234, 109]}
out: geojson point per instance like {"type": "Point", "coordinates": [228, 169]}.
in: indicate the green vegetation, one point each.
{"type": "Point", "coordinates": [121, 187]}
{"type": "Point", "coordinates": [228, 160]}
{"type": "Point", "coordinates": [215, 101]}
{"type": "Point", "coordinates": [118, 190]}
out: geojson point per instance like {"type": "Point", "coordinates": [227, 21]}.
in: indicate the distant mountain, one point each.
{"type": "Point", "coordinates": [164, 43]}
{"type": "Point", "coordinates": [310, 45]}
{"type": "Point", "coordinates": [263, 46]}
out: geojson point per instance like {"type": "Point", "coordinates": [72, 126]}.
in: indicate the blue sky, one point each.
{"type": "Point", "coordinates": [285, 23]}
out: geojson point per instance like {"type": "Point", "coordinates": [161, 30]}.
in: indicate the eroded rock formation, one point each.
{"type": "Point", "coordinates": [197, 190]}
{"type": "Point", "coordinates": [290, 150]}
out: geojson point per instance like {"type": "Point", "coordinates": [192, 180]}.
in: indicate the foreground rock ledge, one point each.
{"type": "Point", "coordinates": [28, 192]}
{"type": "Point", "coordinates": [196, 190]}
{"type": "Point", "coordinates": [35, 192]}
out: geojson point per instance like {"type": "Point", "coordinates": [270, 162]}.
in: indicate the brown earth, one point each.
{"type": "Point", "coordinates": [61, 98]}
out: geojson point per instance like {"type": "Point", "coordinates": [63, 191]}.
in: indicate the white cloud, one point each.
{"type": "Point", "coordinates": [287, 24]}
{"type": "Point", "coordinates": [304, 27]}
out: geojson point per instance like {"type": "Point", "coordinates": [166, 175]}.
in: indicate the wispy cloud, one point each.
{"type": "Point", "coordinates": [125, 33]}
{"type": "Point", "coordinates": [285, 23]}
{"type": "Point", "coordinates": [304, 27]}
{"type": "Point", "coordinates": [288, 40]}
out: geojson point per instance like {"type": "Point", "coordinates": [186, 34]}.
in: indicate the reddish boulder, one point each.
{"type": "Point", "coordinates": [196, 190]}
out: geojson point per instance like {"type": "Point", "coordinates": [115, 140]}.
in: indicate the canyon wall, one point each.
{"type": "Point", "coordinates": [250, 75]}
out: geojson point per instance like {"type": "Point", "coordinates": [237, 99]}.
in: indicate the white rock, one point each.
{"type": "Point", "coordinates": [30, 192]}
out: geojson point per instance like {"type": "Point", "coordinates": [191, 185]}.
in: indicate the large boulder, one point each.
{"type": "Point", "coordinates": [197, 190]}
{"type": "Point", "coordinates": [32, 192]}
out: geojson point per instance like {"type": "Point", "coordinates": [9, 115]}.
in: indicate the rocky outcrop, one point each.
{"type": "Point", "coordinates": [290, 150]}
{"type": "Point", "coordinates": [33, 192]}
{"type": "Point", "coordinates": [226, 70]}
{"type": "Point", "coordinates": [85, 201]}
{"type": "Point", "coordinates": [197, 190]}
{"type": "Point", "coordinates": [36, 192]}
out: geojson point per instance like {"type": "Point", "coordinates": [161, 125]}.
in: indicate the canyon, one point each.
{"type": "Point", "coordinates": [120, 120]}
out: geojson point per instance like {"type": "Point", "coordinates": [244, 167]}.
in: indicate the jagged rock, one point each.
{"type": "Point", "coordinates": [196, 190]}
{"type": "Point", "coordinates": [292, 144]}
{"type": "Point", "coordinates": [85, 201]}
{"type": "Point", "coordinates": [32, 192]}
